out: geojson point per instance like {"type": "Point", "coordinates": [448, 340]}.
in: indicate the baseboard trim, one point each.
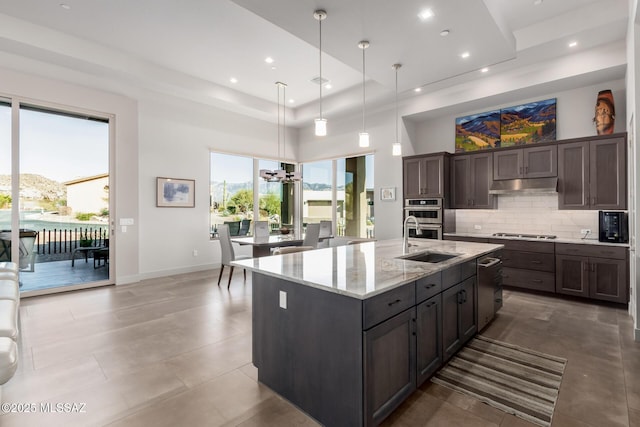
{"type": "Point", "coordinates": [636, 334]}
{"type": "Point", "coordinates": [174, 271]}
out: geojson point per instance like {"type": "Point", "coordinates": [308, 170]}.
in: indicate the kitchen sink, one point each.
{"type": "Point", "coordinates": [432, 257]}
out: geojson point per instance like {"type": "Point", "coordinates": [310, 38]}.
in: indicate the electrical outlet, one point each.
{"type": "Point", "coordinates": [283, 300]}
{"type": "Point", "coordinates": [585, 231]}
{"type": "Point", "coordinates": [477, 227]}
{"type": "Point", "coordinates": [195, 252]}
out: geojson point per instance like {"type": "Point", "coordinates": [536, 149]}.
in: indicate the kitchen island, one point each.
{"type": "Point", "coordinates": [348, 333]}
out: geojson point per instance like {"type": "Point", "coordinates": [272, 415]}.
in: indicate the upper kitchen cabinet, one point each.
{"type": "Point", "coordinates": [471, 179]}
{"type": "Point", "coordinates": [592, 174]}
{"type": "Point", "coordinates": [426, 176]}
{"type": "Point", "coordinates": [530, 162]}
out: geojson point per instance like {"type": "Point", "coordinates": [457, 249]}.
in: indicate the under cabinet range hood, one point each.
{"type": "Point", "coordinates": [525, 186]}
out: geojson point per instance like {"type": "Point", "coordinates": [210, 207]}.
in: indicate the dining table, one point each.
{"type": "Point", "coordinates": [262, 245]}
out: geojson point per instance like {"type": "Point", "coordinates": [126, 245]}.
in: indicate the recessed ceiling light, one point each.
{"type": "Point", "coordinates": [425, 14]}
{"type": "Point", "coordinates": [269, 60]}
{"type": "Point", "coordinates": [484, 70]}
{"type": "Point", "coordinates": [291, 101]}
{"type": "Point", "coordinates": [233, 80]}
{"type": "Point", "coordinates": [65, 6]}
{"type": "Point", "coordinates": [273, 67]}
{"type": "Point", "coordinates": [328, 86]}
{"type": "Point", "coordinates": [418, 89]}
{"type": "Point", "coordinates": [573, 44]}
{"type": "Point", "coordinates": [537, 2]}
{"type": "Point", "coordinates": [444, 33]}
{"type": "Point", "coordinates": [465, 54]}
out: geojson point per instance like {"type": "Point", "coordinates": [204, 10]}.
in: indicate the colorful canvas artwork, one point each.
{"type": "Point", "coordinates": [528, 123]}
{"type": "Point", "coordinates": [478, 131]}
{"type": "Point", "coordinates": [522, 124]}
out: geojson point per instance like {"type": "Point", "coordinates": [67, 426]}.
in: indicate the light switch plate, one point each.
{"type": "Point", "coordinates": [283, 299]}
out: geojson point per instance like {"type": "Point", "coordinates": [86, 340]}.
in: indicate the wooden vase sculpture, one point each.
{"type": "Point", "coordinates": [605, 115]}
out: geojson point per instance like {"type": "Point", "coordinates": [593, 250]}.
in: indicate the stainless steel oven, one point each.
{"type": "Point", "coordinates": [428, 231]}
{"type": "Point", "coordinates": [426, 211]}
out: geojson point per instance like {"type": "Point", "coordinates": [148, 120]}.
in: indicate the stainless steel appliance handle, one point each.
{"type": "Point", "coordinates": [491, 263]}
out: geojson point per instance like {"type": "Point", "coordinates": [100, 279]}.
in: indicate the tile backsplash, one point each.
{"type": "Point", "coordinates": [528, 214]}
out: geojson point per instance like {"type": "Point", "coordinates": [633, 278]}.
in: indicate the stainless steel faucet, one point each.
{"type": "Point", "coordinates": [405, 244]}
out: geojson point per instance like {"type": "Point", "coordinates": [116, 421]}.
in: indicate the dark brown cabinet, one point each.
{"type": "Point", "coordinates": [528, 264]}
{"type": "Point", "coordinates": [593, 272]}
{"type": "Point", "coordinates": [429, 338]}
{"type": "Point", "coordinates": [592, 174]}
{"type": "Point", "coordinates": [458, 316]}
{"type": "Point", "coordinates": [426, 176]}
{"type": "Point", "coordinates": [389, 365]}
{"type": "Point", "coordinates": [532, 162]}
{"type": "Point", "coordinates": [471, 179]}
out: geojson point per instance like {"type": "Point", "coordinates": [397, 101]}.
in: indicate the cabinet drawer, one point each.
{"type": "Point", "coordinates": [428, 287]}
{"type": "Point", "coordinates": [529, 279]}
{"type": "Point", "coordinates": [525, 245]}
{"type": "Point", "coordinates": [529, 260]}
{"type": "Point", "coordinates": [384, 306]}
{"type": "Point", "coordinates": [458, 273]}
{"type": "Point", "coordinates": [601, 251]}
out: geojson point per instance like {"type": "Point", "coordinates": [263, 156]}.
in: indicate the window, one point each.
{"type": "Point", "coordinates": [232, 194]}
{"type": "Point", "coordinates": [352, 209]}
{"type": "Point", "coordinates": [231, 191]}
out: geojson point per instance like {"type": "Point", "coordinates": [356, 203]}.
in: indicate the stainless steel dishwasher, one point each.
{"type": "Point", "coordinates": [489, 288]}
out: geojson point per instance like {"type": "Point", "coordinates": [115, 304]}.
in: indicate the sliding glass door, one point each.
{"type": "Point", "coordinates": [62, 238]}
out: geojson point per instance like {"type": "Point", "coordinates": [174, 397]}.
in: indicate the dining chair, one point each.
{"type": "Point", "coordinates": [228, 254]}
{"type": "Point", "coordinates": [310, 241]}
{"type": "Point", "coordinates": [261, 229]}
{"type": "Point", "coordinates": [325, 233]}
{"type": "Point", "coordinates": [245, 225]}
{"type": "Point", "coordinates": [234, 227]}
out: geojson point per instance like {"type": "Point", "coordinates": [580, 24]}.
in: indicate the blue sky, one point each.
{"type": "Point", "coordinates": [57, 147]}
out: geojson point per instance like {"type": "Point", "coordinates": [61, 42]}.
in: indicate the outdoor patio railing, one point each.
{"type": "Point", "coordinates": [60, 241]}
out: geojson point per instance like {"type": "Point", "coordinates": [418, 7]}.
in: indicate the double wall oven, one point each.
{"type": "Point", "coordinates": [430, 216]}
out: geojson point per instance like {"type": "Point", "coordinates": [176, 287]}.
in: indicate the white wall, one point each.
{"type": "Point", "coordinates": [175, 140]}
{"type": "Point", "coordinates": [54, 93]}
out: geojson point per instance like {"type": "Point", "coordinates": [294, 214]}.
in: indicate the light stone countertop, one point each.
{"type": "Point", "coordinates": [587, 241]}
{"type": "Point", "coordinates": [366, 269]}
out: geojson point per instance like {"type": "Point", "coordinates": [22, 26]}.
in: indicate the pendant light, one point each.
{"type": "Point", "coordinates": [321, 123]}
{"type": "Point", "coordinates": [281, 175]}
{"type": "Point", "coordinates": [363, 136]}
{"type": "Point", "coordinates": [397, 147]}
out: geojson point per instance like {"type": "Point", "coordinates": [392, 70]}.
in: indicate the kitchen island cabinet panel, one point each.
{"type": "Point", "coordinates": [459, 318]}
{"type": "Point", "coordinates": [429, 342]}
{"type": "Point", "coordinates": [389, 366]}
{"type": "Point", "coordinates": [300, 350]}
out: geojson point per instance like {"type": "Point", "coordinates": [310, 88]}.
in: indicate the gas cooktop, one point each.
{"type": "Point", "coordinates": [525, 236]}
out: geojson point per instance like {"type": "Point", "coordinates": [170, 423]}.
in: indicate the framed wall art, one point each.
{"type": "Point", "coordinates": [388, 193]}
{"type": "Point", "coordinates": [175, 193]}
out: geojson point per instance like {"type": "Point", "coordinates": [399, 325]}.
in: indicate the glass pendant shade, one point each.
{"type": "Point", "coordinates": [321, 127]}
{"type": "Point", "coordinates": [396, 149]}
{"type": "Point", "coordinates": [363, 139]}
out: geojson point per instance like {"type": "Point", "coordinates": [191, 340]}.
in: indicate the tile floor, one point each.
{"type": "Point", "coordinates": [176, 351]}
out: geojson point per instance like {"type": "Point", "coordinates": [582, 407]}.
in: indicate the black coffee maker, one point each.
{"type": "Point", "coordinates": [613, 227]}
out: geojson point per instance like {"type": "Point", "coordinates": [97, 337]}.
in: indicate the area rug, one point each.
{"type": "Point", "coordinates": [513, 379]}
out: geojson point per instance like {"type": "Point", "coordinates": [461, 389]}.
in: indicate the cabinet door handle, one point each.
{"type": "Point", "coordinates": [586, 266]}
{"type": "Point", "coordinates": [526, 170]}
{"type": "Point", "coordinates": [520, 170]}
{"type": "Point", "coordinates": [593, 267]}
{"type": "Point", "coordinates": [429, 286]}
{"type": "Point", "coordinates": [460, 297]}
{"type": "Point", "coordinates": [468, 202]}
{"type": "Point", "coordinates": [535, 261]}
{"type": "Point", "coordinates": [429, 304]}
{"type": "Point", "coordinates": [536, 280]}
{"type": "Point", "coordinates": [464, 296]}
{"type": "Point", "coordinates": [394, 302]}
